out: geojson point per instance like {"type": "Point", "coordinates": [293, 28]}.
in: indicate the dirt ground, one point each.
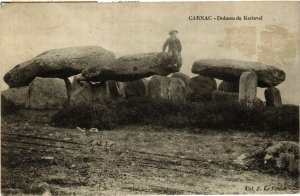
{"type": "Point", "coordinates": [37, 157]}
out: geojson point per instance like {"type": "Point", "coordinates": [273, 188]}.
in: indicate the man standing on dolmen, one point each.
{"type": "Point", "coordinates": [174, 47]}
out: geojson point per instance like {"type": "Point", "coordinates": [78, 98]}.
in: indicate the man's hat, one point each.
{"type": "Point", "coordinates": [172, 32]}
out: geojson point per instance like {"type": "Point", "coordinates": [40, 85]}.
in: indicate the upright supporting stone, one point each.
{"type": "Point", "coordinates": [81, 92]}
{"type": "Point", "coordinates": [115, 89]}
{"type": "Point", "coordinates": [18, 96]}
{"type": "Point", "coordinates": [121, 89]}
{"type": "Point", "coordinates": [185, 78]}
{"type": "Point", "coordinates": [100, 92]}
{"type": "Point", "coordinates": [137, 88]}
{"type": "Point", "coordinates": [248, 86]}
{"type": "Point", "coordinates": [201, 88]}
{"type": "Point", "coordinates": [68, 87]}
{"type": "Point", "coordinates": [273, 97]}
{"type": "Point", "coordinates": [47, 93]}
{"type": "Point", "coordinates": [162, 87]}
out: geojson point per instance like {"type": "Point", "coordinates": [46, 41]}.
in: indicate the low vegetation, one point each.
{"type": "Point", "coordinates": [7, 106]}
{"type": "Point", "coordinates": [144, 111]}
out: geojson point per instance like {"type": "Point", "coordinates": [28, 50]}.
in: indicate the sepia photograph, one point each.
{"type": "Point", "coordinates": [149, 98]}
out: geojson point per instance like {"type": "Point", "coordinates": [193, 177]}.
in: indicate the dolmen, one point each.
{"type": "Point", "coordinates": [245, 75]}
{"type": "Point", "coordinates": [132, 71]}
{"type": "Point", "coordinates": [43, 81]}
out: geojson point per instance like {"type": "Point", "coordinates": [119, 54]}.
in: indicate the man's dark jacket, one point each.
{"type": "Point", "coordinates": [173, 43]}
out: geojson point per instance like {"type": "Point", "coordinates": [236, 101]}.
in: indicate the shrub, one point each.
{"type": "Point", "coordinates": [276, 157]}
{"type": "Point", "coordinates": [229, 115]}
{"type": "Point", "coordinates": [7, 106]}
{"type": "Point", "coordinates": [87, 116]}
{"type": "Point", "coordinates": [282, 119]}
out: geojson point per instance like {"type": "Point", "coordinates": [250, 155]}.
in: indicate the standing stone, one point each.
{"type": "Point", "coordinates": [177, 90]}
{"type": "Point", "coordinates": [115, 89]}
{"type": "Point", "coordinates": [161, 87]}
{"type": "Point", "coordinates": [185, 78]}
{"type": "Point", "coordinates": [201, 88]}
{"type": "Point", "coordinates": [273, 97]}
{"type": "Point", "coordinates": [121, 89]}
{"type": "Point", "coordinates": [137, 88]}
{"type": "Point", "coordinates": [47, 93]}
{"type": "Point", "coordinates": [100, 92]}
{"type": "Point", "coordinates": [81, 92]}
{"type": "Point", "coordinates": [232, 87]}
{"type": "Point", "coordinates": [17, 96]}
{"type": "Point", "coordinates": [248, 86]}
{"type": "Point", "coordinates": [158, 87]}
{"type": "Point", "coordinates": [68, 87]}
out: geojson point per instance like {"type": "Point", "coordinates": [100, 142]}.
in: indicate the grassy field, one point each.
{"type": "Point", "coordinates": [139, 159]}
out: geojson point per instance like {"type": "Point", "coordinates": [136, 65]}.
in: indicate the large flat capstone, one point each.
{"type": "Point", "coordinates": [231, 70]}
{"type": "Point", "coordinates": [133, 67]}
{"type": "Point", "coordinates": [60, 63]}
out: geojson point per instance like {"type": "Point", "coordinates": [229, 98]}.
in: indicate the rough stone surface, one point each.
{"type": "Point", "coordinates": [137, 88]}
{"type": "Point", "coordinates": [185, 78]}
{"type": "Point", "coordinates": [47, 93]}
{"type": "Point", "coordinates": [284, 155]}
{"type": "Point", "coordinates": [201, 88]}
{"type": "Point", "coordinates": [81, 92]}
{"type": "Point", "coordinates": [273, 97]}
{"type": "Point", "coordinates": [161, 87]}
{"type": "Point", "coordinates": [132, 67]}
{"type": "Point", "coordinates": [248, 86]}
{"type": "Point", "coordinates": [177, 90]}
{"type": "Point", "coordinates": [115, 89]}
{"type": "Point", "coordinates": [232, 87]}
{"type": "Point", "coordinates": [231, 70]}
{"type": "Point", "coordinates": [121, 88]}
{"type": "Point", "coordinates": [100, 92]}
{"type": "Point", "coordinates": [222, 96]}
{"type": "Point", "coordinates": [61, 63]}
{"type": "Point", "coordinates": [18, 96]}
{"type": "Point", "coordinates": [68, 87]}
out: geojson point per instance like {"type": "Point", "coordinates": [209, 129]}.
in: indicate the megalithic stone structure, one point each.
{"type": "Point", "coordinates": [248, 86]}
{"type": "Point", "coordinates": [273, 97]}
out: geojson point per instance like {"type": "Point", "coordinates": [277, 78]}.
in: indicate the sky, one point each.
{"type": "Point", "coordinates": [28, 29]}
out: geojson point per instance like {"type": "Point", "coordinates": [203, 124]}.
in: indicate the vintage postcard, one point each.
{"type": "Point", "coordinates": [149, 98]}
